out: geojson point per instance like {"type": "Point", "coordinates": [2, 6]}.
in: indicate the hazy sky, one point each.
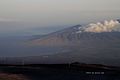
{"type": "Point", "coordinates": [16, 15]}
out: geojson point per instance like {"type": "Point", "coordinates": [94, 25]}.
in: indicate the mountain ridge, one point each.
{"type": "Point", "coordinates": [83, 46]}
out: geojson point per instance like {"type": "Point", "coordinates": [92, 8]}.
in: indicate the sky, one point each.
{"type": "Point", "coordinates": [27, 16]}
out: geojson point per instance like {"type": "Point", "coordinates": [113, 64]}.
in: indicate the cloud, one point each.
{"type": "Point", "coordinates": [106, 26]}
{"type": "Point", "coordinates": [7, 20]}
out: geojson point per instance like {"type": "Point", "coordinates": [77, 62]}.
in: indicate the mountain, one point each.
{"type": "Point", "coordinates": [95, 43]}
{"type": "Point", "coordinates": [61, 37]}
{"type": "Point", "coordinates": [92, 43]}
{"type": "Point", "coordinates": [107, 31]}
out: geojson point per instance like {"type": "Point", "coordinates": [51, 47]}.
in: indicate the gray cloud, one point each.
{"type": "Point", "coordinates": [7, 20]}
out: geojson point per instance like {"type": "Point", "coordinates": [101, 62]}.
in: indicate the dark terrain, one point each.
{"type": "Point", "coordinates": [74, 71]}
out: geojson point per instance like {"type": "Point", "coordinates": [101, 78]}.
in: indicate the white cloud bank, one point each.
{"type": "Point", "coordinates": [106, 26]}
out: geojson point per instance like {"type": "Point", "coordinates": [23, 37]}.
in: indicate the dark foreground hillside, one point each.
{"type": "Point", "coordinates": [63, 71]}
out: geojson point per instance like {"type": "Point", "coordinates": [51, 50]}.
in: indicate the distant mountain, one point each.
{"type": "Point", "coordinates": [95, 43]}
{"type": "Point", "coordinates": [92, 43]}
{"type": "Point", "coordinates": [76, 35]}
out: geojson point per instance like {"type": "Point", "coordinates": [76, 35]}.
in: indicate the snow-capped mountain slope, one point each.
{"type": "Point", "coordinates": [107, 31]}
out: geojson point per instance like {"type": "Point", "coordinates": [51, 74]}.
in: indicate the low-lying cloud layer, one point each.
{"type": "Point", "coordinates": [106, 26]}
{"type": "Point", "coordinates": [7, 20]}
